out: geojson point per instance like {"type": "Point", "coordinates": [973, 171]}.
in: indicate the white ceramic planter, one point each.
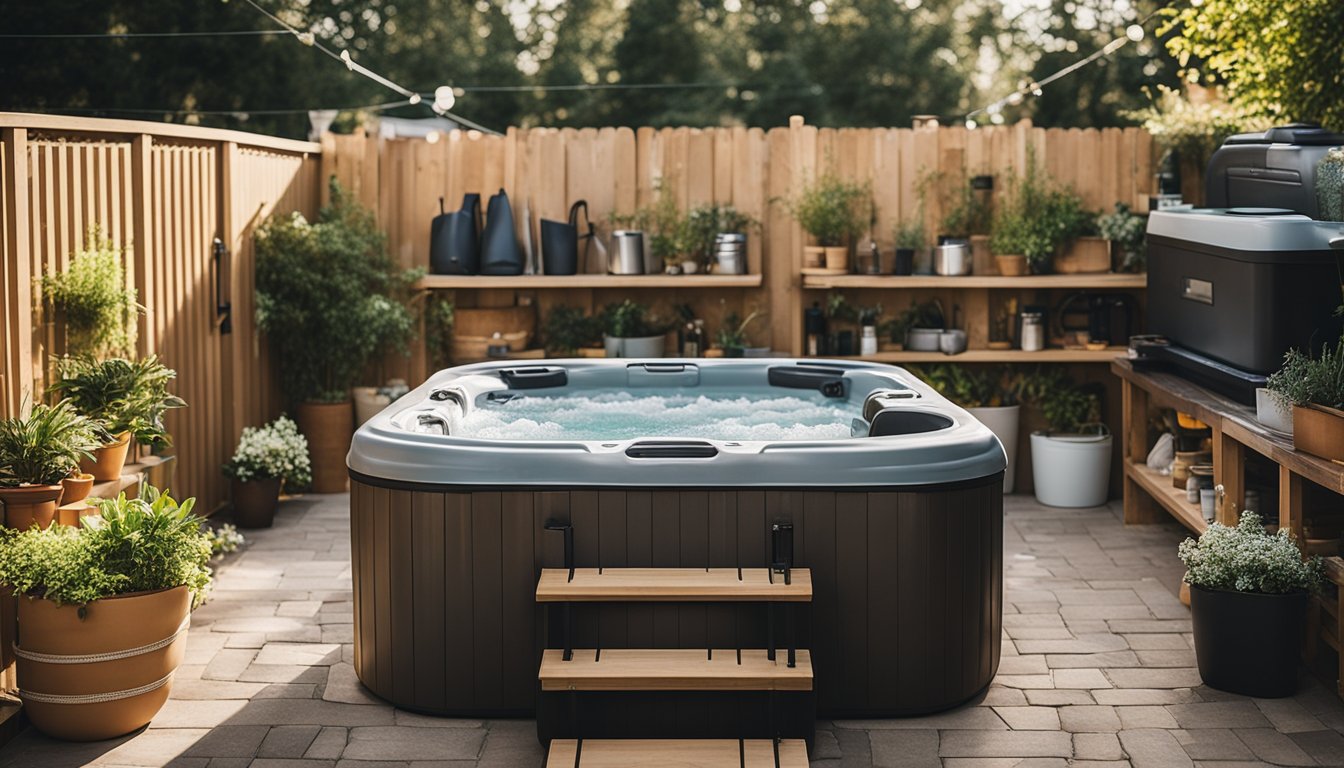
{"type": "Point", "coordinates": [1071, 470]}
{"type": "Point", "coordinates": [646, 346]}
{"type": "Point", "coordinates": [1003, 423]}
{"type": "Point", "coordinates": [1272, 411]}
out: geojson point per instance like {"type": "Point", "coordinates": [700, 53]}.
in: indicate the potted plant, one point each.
{"type": "Point", "coordinates": [666, 233]}
{"type": "Point", "coordinates": [833, 211]}
{"type": "Point", "coordinates": [702, 228]}
{"type": "Point", "coordinates": [909, 239]}
{"type": "Point", "coordinates": [629, 331]}
{"type": "Point", "coordinates": [990, 394]}
{"type": "Point", "coordinates": [97, 309]}
{"type": "Point", "coordinates": [330, 301]}
{"type": "Point", "coordinates": [1330, 185]}
{"type": "Point", "coordinates": [1248, 603]}
{"type": "Point", "coordinates": [36, 454]}
{"type": "Point", "coordinates": [1071, 462]}
{"type": "Point", "coordinates": [568, 330]}
{"type": "Point", "coordinates": [1035, 221]}
{"type": "Point", "coordinates": [921, 325]}
{"type": "Point", "coordinates": [1074, 229]}
{"type": "Point", "coordinates": [266, 458]}
{"type": "Point", "coordinates": [102, 613]}
{"type": "Point", "coordinates": [732, 335]}
{"type": "Point", "coordinates": [1315, 387]}
{"type": "Point", "coordinates": [1126, 232]}
{"type": "Point", "coordinates": [126, 398]}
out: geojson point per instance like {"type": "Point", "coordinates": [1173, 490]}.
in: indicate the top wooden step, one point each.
{"type": "Point", "coordinates": [676, 753]}
{"type": "Point", "coordinates": [673, 585]}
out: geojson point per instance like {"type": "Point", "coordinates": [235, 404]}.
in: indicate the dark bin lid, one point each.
{"type": "Point", "coordinates": [1301, 134]}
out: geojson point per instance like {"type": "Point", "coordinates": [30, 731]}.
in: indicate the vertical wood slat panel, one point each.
{"type": "Point", "coordinates": [487, 609]}
{"type": "Point", "coordinates": [460, 597]}
{"type": "Point", "coordinates": [518, 589]}
{"type": "Point", "coordinates": [401, 584]}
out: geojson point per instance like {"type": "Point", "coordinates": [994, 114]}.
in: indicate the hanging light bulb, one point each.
{"type": "Point", "coordinates": [349, 62]}
{"type": "Point", "coordinates": [970, 124]}
{"type": "Point", "coordinates": [306, 38]}
{"type": "Point", "coordinates": [1015, 98]}
{"type": "Point", "coordinates": [1134, 32]}
{"type": "Point", "coordinates": [415, 99]}
{"type": "Point", "coordinates": [444, 98]}
{"type": "Point", "coordinates": [432, 137]}
{"type": "Point", "coordinates": [996, 118]}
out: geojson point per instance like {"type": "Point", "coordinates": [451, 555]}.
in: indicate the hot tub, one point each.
{"type": "Point", "coordinates": [894, 495]}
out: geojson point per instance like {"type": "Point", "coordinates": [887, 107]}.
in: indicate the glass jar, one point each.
{"type": "Point", "coordinates": [1033, 331]}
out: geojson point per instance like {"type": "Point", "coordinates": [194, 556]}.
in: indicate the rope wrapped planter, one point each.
{"type": "Point", "coordinates": [103, 675]}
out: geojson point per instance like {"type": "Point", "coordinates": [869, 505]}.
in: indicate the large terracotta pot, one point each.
{"type": "Point", "coordinates": [329, 428]}
{"type": "Point", "coordinates": [1012, 265]}
{"type": "Point", "coordinates": [103, 675]}
{"type": "Point", "coordinates": [30, 505]}
{"type": "Point", "coordinates": [254, 502]}
{"type": "Point", "coordinates": [77, 487]}
{"type": "Point", "coordinates": [1319, 430]}
{"type": "Point", "coordinates": [109, 460]}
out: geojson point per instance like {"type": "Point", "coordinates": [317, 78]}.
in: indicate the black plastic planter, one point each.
{"type": "Point", "coordinates": [1248, 643]}
{"type": "Point", "coordinates": [904, 262]}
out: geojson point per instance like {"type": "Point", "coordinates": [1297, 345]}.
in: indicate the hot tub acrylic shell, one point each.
{"type": "Point", "coordinates": [903, 536]}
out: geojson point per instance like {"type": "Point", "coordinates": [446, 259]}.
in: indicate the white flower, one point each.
{"type": "Point", "coordinates": [274, 450]}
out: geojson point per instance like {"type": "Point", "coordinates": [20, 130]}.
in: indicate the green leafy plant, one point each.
{"type": "Point", "coordinates": [98, 308]}
{"type": "Point", "coordinates": [920, 314]}
{"type": "Point", "coordinates": [1245, 558]}
{"type": "Point", "coordinates": [1037, 218]}
{"type": "Point", "coordinates": [733, 333]}
{"type": "Point", "coordinates": [972, 386]}
{"type": "Point", "coordinates": [1304, 379]}
{"type": "Point", "coordinates": [705, 222]}
{"type": "Point", "coordinates": [1127, 230]}
{"type": "Point", "coordinates": [329, 298]}
{"type": "Point", "coordinates": [224, 539]}
{"type": "Point", "coordinates": [568, 329]}
{"type": "Point", "coordinates": [1067, 407]}
{"type": "Point", "coordinates": [120, 395]}
{"type": "Point", "coordinates": [667, 233]}
{"type": "Point", "coordinates": [629, 320]}
{"type": "Point", "coordinates": [909, 234]}
{"type": "Point", "coordinates": [832, 210]}
{"type": "Point", "coordinates": [45, 447]}
{"type": "Point", "coordinates": [1330, 185]}
{"type": "Point", "coordinates": [269, 451]}
{"type": "Point", "coordinates": [133, 545]}
{"type": "Point", "coordinates": [1193, 129]}
{"type": "Point", "coordinates": [439, 319]}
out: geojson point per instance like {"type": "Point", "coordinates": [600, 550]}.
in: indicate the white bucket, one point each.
{"type": "Point", "coordinates": [643, 346]}
{"type": "Point", "coordinates": [1272, 411]}
{"type": "Point", "coordinates": [1071, 470]}
{"type": "Point", "coordinates": [1003, 421]}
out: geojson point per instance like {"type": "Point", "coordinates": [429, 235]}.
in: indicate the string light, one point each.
{"type": "Point", "coordinates": [444, 98]}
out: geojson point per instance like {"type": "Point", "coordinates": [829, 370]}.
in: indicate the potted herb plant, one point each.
{"type": "Point", "coordinates": [330, 300]}
{"type": "Point", "coordinates": [732, 335]}
{"type": "Point", "coordinates": [1037, 219]}
{"type": "Point", "coordinates": [1248, 604]}
{"type": "Point", "coordinates": [1126, 233]}
{"type": "Point", "coordinates": [833, 211]}
{"type": "Point", "coordinates": [910, 238]}
{"type": "Point", "coordinates": [667, 236]}
{"type": "Point", "coordinates": [702, 228]}
{"type": "Point", "coordinates": [267, 458]}
{"type": "Point", "coordinates": [1071, 462]}
{"type": "Point", "coordinates": [630, 331]}
{"type": "Point", "coordinates": [1079, 248]}
{"type": "Point", "coordinates": [568, 330]}
{"type": "Point", "coordinates": [102, 613]}
{"type": "Point", "coordinates": [126, 398]}
{"type": "Point", "coordinates": [1315, 387]}
{"type": "Point", "coordinates": [36, 454]}
{"type": "Point", "coordinates": [990, 394]}
{"type": "Point", "coordinates": [97, 309]}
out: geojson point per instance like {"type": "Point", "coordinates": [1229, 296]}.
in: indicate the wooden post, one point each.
{"type": "Point", "coordinates": [141, 237]}
{"type": "Point", "coordinates": [1138, 505]}
{"type": "Point", "coordinates": [16, 280]}
{"type": "Point", "coordinates": [1290, 504]}
{"type": "Point", "coordinates": [1229, 470]}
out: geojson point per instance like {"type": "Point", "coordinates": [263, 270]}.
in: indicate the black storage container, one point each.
{"type": "Point", "coordinates": [1274, 169]}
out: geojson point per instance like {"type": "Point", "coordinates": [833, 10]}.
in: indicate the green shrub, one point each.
{"type": "Point", "coordinates": [1038, 217]}
{"type": "Point", "coordinates": [1330, 185]}
{"type": "Point", "coordinates": [629, 320]}
{"type": "Point", "coordinates": [973, 386]}
{"type": "Point", "coordinates": [909, 234]}
{"type": "Point", "coordinates": [45, 447]}
{"type": "Point", "coordinates": [98, 308]}
{"type": "Point", "coordinates": [1067, 406]}
{"type": "Point", "coordinates": [1247, 559]}
{"type": "Point", "coordinates": [1304, 379]}
{"type": "Point", "coordinates": [133, 545]}
{"type": "Point", "coordinates": [1194, 130]}
{"type": "Point", "coordinates": [329, 298]}
{"type": "Point", "coordinates": [439, 321]}
{"type": "Point", "coordinates": [120, 395]}
{"type": "Point", "coordinates": [1128, 231]}
{"type": "Point", "coordinates": [568, 329]}
{"type": "Point", "coordinates": [705, 222]}
{"type": "Point", "coordinates": [273, 450]}
{"type": "Point", "coordinates": [833, 210]}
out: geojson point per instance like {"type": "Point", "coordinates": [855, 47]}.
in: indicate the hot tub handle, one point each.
{"type": "Point", "coordinates": [672, 449]}
{"type": "Point", "coordinates": [567, 610]}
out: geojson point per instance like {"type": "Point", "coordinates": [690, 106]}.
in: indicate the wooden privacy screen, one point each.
{"type": "Point", "coordinates": [163, 193]}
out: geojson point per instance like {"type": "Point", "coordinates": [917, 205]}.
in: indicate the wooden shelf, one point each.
{"type": "Point", "coordinates": [1171, 498]}
{"type": "Point", "coordinates": [1103, 281]}
{"type": "Point", "coordinates": [673, 585]}
{"type": "Point", "coordinates": [997, 356]}
{"type": "Point", "coordinates": [555, 282]}
{"type": "Point", "coordinates": [674, 669]}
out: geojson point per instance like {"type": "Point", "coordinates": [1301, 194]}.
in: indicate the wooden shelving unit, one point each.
{"type": "Point", "coordinates": [1174, 500]}
{"type": "Point", "coordinates": [1104, 281]}
{"type": "Point", "coordinates": [555, 282]}
{"type": "Point", "coordinates": [997, 356]}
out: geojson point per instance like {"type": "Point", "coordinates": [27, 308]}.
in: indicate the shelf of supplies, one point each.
{"type": "Point", "coordinates": [997, 356]}
{"type": "Point", "coordinates": [527, 282]}
{"type": "Point", "coordinates": [1103, 281]}
{"type": "Point", "coordinates": [1171, 498]}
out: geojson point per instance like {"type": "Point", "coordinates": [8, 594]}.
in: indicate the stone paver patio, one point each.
{"type": "Point", "coordinates": [1097, 671]}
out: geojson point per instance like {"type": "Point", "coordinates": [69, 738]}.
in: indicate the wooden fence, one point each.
{"type": "Point", "coordinates": [163, 193]}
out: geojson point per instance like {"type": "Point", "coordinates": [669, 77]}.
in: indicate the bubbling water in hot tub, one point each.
{"type": "Point", "coordinates": [621, 415]}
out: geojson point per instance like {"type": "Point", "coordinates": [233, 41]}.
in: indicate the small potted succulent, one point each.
{"type": "Point", "coordinates": [1126, 233]}
{"type": "Point", "coordinates": [102, 613]}
{"type": "Point", "coordinates": [36, 454]}
{"type": "Point", "coordinates": [833, 211]}
{"type": "Point", "coordinates": [1315, 387]}
{"type": "Point", "coordinates": [630, 331]}
{"type": "Point", "coordinates": [1070, 462]}
{"type": "Point", "coordinates": [126, 398]}
{"type": "Point", "coordinates": [1248, 601]}
{"type": "Point", "coordinates": [267, 458]}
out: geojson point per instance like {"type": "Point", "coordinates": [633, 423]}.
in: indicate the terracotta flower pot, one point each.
{"type": "Point", "coordinates": [77, 487]}
{"type": "Point", "coordinates": [1319, 430]}
{"type": "Point", "coordinates": [814, 256]}
{"type": "Point", "coordinates": [109, 460]}
{"type": "Point", "coordinates": [1085, 254]}
{"type": "Point", "coordinates": [90, 700]}
{"type": "Point", "coordinates": [329, 428]}
{"type": "Point", "coordinates": [254, 502]}
{"type": "Point", "coordinates": [837, 257]}
{"type": "Point", "coordinates": [30, 505]}
{"type": "Point", "coordinates": [1012, 265]}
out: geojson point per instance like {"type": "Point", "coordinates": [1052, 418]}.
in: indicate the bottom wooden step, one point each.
{"type": "Point", "coordinates": [675, 753]}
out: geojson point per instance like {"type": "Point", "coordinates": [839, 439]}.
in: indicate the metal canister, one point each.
{"type": "Point", "coordinates": [627, 253]}
{"type": "Point", "coordinates": [1033, 331]}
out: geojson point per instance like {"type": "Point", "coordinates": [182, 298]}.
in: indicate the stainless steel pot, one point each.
{"type": "Point", "coordinates": [627, 253]}
{"type": "Point", "coordinates": [952, 259]}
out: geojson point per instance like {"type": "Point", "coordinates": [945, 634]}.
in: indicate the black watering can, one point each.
{"type": "Point", "coordinates": [560, 242]}
{"type": "Point", "coordinates": [454, 247]}
{"type": "Point", "coordinates": [500, 254]}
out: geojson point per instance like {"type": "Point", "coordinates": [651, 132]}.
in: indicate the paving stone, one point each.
{"type": "Point", "coordinates": [344, 686]}
{"type": "Point", "coordinates": [904, 749]}
{"type": "Point", "coordinates": [999, 696]}
{"type": "Point", "coordinates": [311, 712]}
{"type": "Point", "coordinates": [328, 744]}
{"type": "Point", "coordinates": [1029, 718]}
{"type": "Point", "coordinates": [288, 741]}
{"type": "Point", "coordinates": [1183, 658]}
{"type": "Point", "coordinates": [1005, 744]}
{"type": "Point", "coordinates": [1213, 744]}
{"type": "Point", "coordinates": [1154, 678]}
{"type": "Point", "coordinates": [298, 609]}
{"type": "Point", "coordinates": [283, 673]}
{"type": "Point", "coordinates": [1108, 660]}
{"type": "Point", "coordinates": [1059, 698]}
{"type": "Point", "coordinates": [1023, 665]}
{"type": "Point", "coordinates": [186, 713]}
{"type": "Point", "coordinates": [1326, 746]}
{"type": "Point", "coordinates": [299, 654]}
{"type": "Point", "coordinates": [1106, 612]}
{"type": "Point", "coordinates": [1089, 719]}
{"type": "Point", "coordinates": [1152, 748]}
{"type": "Point", "coordinates": [1096, 747]}
{"type": "Point", "coordinates": [1039, 633]}
{"type": "Point", "coordinates": [402, 717]}
{"type": "Point", "coordinates": [1218, 714]}
{"type": "Point", "coordinates": [283, 762]}
{"type": "Point", "coordinates": [1153, 626]}
{"type": "Point", "coordinates": [411, 743]}
{"type": "Point", "coordinates": [1087, 643]}
{"type": "Point", "coordinates": [965, 718]}
{"type": "Point", "coordinates": [1274, 747]}
{"type": "Point", "coordinates": [228, 664]}
{"type": "Point", "coordinates": [1089, 679]}
{"type": "Point", "coordinates": [1171, 642]}
{"type": "Point", "coordinates": [229, 741]}
{"type": "Point", "coordinates": [1288, 716]}
{"type": "Point", "coordinates": [1145, 696]}
{"type": "Point", "coordinates": [1025, 681]}
{"type": "Point", "coordinates": [511, 743]}
{"type": "Point", "coordinates": [1133, 718]}
{"type": "Point", "coordinates": [287, 691]}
